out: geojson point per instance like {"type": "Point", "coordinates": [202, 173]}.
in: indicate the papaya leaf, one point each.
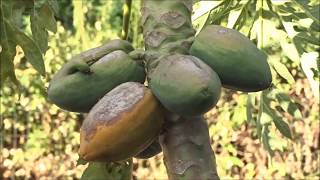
{"type": "Point", "coordinates": [102, 171]}
{"type": "Point", "coordinates": [258, 122]}
{"type": "Point", "coordinates": [305, 37]}
{"type": "Point", "coordinates": [240, 18]}
{"type": "Point", "coordinates": [282, 126]}
{"type": "Point", "coordinates": [6, 64]}
{"type": "Point", "coordinates": [282, 70]}
{"type": "Point", "coordinates": [265, 140]}
{"type": "Point", "coordinates": [223, 11]}
{"type": "Point", "coordinates": [31, 50]}
{"type": "Point", "coordinates": [288, 105]}
{"type": "Point", "coordinates": [47, 19]}
{"type": "Point", "coordinates": [17, 15]}
{"type": "Point", "coordinates": [200, 22]}
{"type": "Point", "coordinates": [54, 6]}
{"type": "Point", "coordinates": [39, 33]}
{"type": "Point", "coordinates": [249, 110]}
{"type": "Point", "coordinates": [205, 9]}
{"type": "Point", "coordinates": [7, 48]}
{"type": "Point", "coordinates": [305, 8]}
{"type": "Point", "coordinates": [202, 17]}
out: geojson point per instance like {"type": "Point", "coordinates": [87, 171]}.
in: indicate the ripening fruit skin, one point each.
{"type": "Point", "coordinates": [123, 123]}
{"type": "Point", "coordinates": [238, 62]}
{"type": "Point", "coordinates": [185, 85]}
{"type": "Point", "coordinates": [82, 81]}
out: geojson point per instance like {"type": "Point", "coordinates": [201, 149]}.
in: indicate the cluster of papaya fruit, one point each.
{"type": "Point", "coordinates": [124, 116]}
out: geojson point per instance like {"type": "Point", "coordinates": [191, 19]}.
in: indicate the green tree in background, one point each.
{"type": "Point", "coordinates": [40, 140]}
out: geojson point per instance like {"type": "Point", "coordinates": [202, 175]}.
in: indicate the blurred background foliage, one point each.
{"type": "Point", "coordinates": [265, 135]}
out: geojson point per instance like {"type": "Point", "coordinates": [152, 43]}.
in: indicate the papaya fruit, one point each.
{"type": "Point", "coordinates": [184, 84]}
{"type": "Point", "coordinates": [87, 77]}
{"type": "Point", "coordinates": [152, 150]}
{"type": "Point", "coordinates": [121, 124]}
{"type": "Point", "coordinates": [238, 62]}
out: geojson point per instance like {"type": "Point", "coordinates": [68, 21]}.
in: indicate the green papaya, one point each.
{"type": "Point", "coordinates": [121, 124]}
{"type": "Point", "coordinates": [184, 84]}
{"type": "Point", "coordinates": [87, 77]}
{"type": "Point", "coordinates": [152, 150]}
{"type": "Point", "coordinates": [238, 62]}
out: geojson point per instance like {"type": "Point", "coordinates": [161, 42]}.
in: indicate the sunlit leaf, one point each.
{"type": "Point", "coordinates": [305, 8]}
{"type": "Point", "coordinates": [282, 70]}
{"type": "Point", "coordinates": [224, 10]}
{"type": "Point", "coordinates": [31, 50]}
{"type": "Point", "coordinates": [265, 140]}
{"type": "Point", "coordinates": [258, 122]}
{"type": "Point", "coordinates": [267, 114]}
{"type": "Point", "coordinates": [288, 105]}
{"type": "Point", "coordinates": [200, 22]}
{"type": "Point", "coordinates": [310, 66]}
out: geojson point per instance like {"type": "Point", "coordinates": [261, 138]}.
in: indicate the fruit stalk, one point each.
{"type": "Point", "coordinates": [167, 29]}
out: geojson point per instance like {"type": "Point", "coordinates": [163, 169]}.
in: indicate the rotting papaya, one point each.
{"type": "Point", "coordinates": [123, 123]}
{"type": "Point", "coordinates": [152, 150]}
{"type": "Point", "coordinates": [184, 84]}
{"type": "Point", "coordinates": [238, 62]}
{"type": "Point", "coordinates": [82, 81]}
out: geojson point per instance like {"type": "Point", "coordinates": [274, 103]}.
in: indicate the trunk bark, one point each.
{"type": "Point", "coordinates": [167, 29]}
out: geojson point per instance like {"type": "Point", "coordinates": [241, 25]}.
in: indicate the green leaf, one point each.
{"type": "Point", "coordinates": [7, 50]}
{"type": "Point", "coordinates": [103, 171]}
{"type": "Point", "coordinates": [224, 10]}
{"type": "Point", "coordinates": [288, 105]}
{"type": "Point", "coordinates": [282, 70]}
{"type": "Point", "coordinates": [282, 126]}
{"type": "Point", "coordinates": [39, 33]}
{"type": "Point", "coordinates": [239, 17]}
{"type": "Point", "coordinates": [269, 114]}
{"type": "Point", "coordinates": [200, 19]}
{"type": "Point", "coordinates": [6, 64]}
{"type": "Point", "coordinates": [305, 8]}
{"type": "Point", "coordinates": [47, 19]}
{"type": "Point", "coordinates": [249, 110]}
{"type": "Point", "coordinates": [305, 37]}
{"type": "Point", "coordinates": [54, 6]}
{"type": "Point", "coordinates": [265, 140]}
{"type": "Point", "coordinates": [31, 50]}
{"type": "Point", "coordinates": [259, 126]}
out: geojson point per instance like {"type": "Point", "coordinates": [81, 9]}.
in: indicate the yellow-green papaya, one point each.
{"type": "Point", "coordinates": [87, 77]}
{"type": "Point", "coordinates": [185, 85]}
{"type": "Point", "coordinates": [238, 62]}
{"type": "Point", "coordinates": [123, 123]}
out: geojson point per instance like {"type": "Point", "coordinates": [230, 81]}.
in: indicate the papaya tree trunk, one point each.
{"type": "Point", "coordinates": [167, 29]}
{"type": "Point", "coordinates": [187, 151]}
